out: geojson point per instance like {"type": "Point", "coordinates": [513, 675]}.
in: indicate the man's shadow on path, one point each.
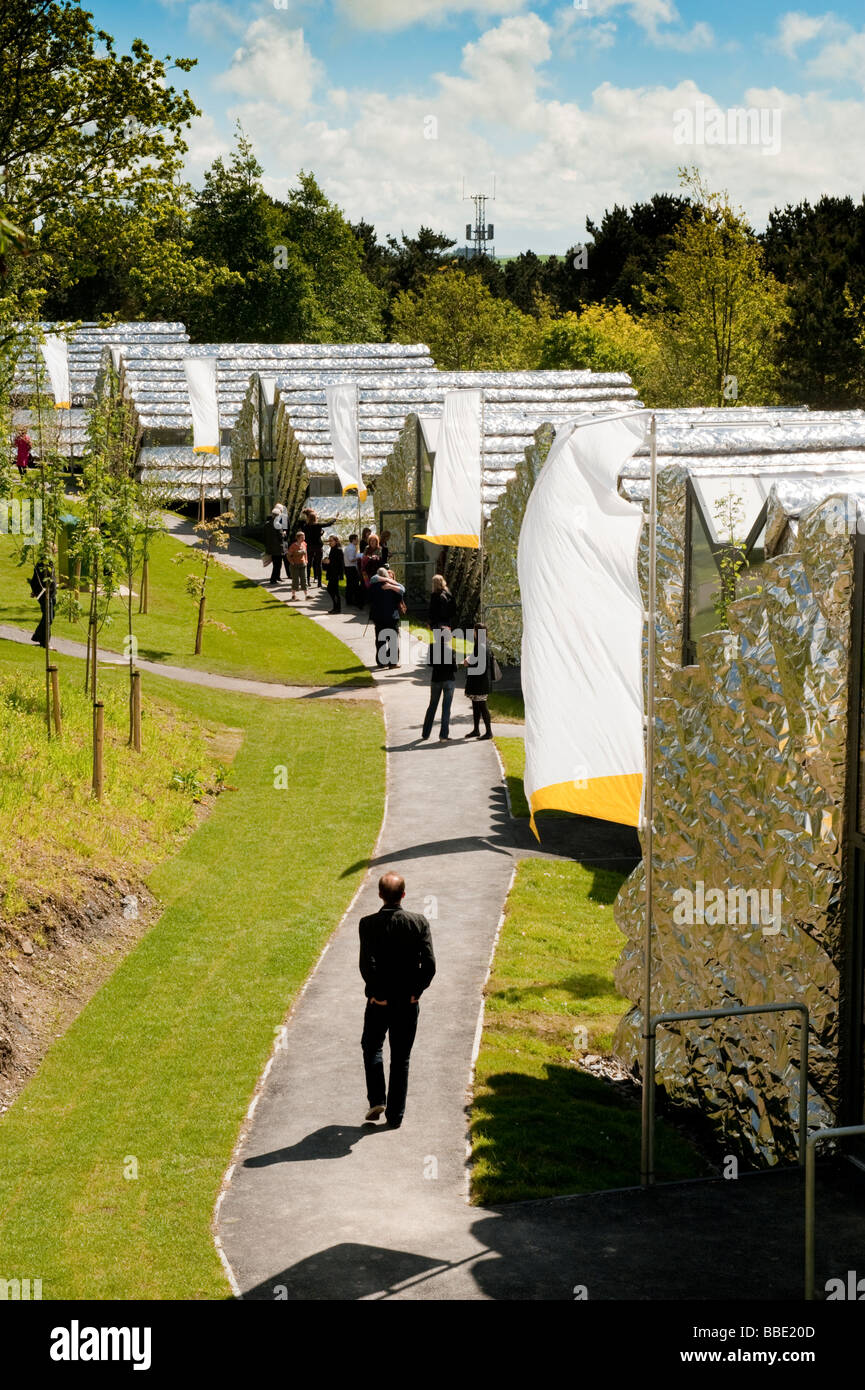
{"type": "Point", "coordinates": [332, 1141]}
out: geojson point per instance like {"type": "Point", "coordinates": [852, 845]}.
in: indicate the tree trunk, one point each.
{"type": "Point", "coordinates": [145, 585]}
{"type": "Point", "coordinates": [200, 628]}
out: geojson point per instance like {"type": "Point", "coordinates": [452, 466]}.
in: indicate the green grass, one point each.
{"type": "Point", "coordinates": [539, 1126]}
{"type": "Point", "coordinates": [512, 752]}
{"type": "Point", "coordinates": [143, 814]}
{"type": "Point", "coordinates": [157, 1071]}
{"type": "Point", "coordinates": [268, 640]}
{"type": "Point", "coordinates": [507, 707]}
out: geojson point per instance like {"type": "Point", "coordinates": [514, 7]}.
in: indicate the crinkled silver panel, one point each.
{"type": "Point", "coordinates": [750, 756]}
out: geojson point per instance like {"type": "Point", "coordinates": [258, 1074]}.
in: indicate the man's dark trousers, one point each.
{"type": "Point", "coordinates": [399, 1021]}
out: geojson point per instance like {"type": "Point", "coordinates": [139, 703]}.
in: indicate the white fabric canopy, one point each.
{"type": "Point", "coordinates": [201, 380]}
{"type": "Point", "coordinates": [345, 438]}
{"type": "Point", "coordinates": [582, 627]}
{"type": "Point", "coordinates": [455, 504]}
{"type": "Point", "coordinates": [55, 350]}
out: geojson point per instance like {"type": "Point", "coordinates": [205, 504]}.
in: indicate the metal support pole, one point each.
{"type": "Point", "coordinates": [481, 521]}
{"type": "Point", "coordinates": [847, 1131]}
{"type": "Point", "coordinates": [736, 1011]}
{"type": "Point", "coordinates": [647, 1165]}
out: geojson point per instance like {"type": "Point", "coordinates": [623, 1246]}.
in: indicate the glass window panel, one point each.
{"type": "Point", "coordinates": [729, 504]}
{"type": "Point", "coordinates": [704, 582]}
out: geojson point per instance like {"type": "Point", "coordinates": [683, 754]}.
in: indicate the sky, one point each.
{"type": "Point", "coordinates": [400, 106]}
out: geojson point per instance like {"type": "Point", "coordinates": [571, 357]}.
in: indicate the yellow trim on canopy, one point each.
{"type": "Point", "coordinates": [353, 487]}
{"type": "Point", "coordinates": [605, 798]}
{"type": "Point", "coordinates": [206, 449]}
{"type": "Point", "coordinates": [62, 405]}
{"type": "Point", "coordinates": [471, 542]}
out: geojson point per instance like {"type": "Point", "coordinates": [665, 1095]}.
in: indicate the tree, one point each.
{"type": "Point", "coordinates": [347, 306]}
{"type": "Point", "coordinates": [214, 536]}
{"type": "Point", "coordinates": [465, 326]}
{"type": "Point", "coordinates": [604, 339]}
{"type": "Point", "coordinates": [78, 124]}
{"type": "Point", "coordinates": [627, 246]}
{"type": "Point", "coordinates": [819, 254]}
{"type": "Point", "coordinates": [715, 312]}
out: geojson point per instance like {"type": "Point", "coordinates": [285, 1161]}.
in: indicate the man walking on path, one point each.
{"type": "Point", "coordinates": [397, 965]}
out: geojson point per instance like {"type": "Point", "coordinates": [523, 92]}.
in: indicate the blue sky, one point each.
{"type": "Point", "coordinates": [572, 106]}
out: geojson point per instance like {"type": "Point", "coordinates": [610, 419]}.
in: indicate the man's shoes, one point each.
{"type": "Point", "coordinates": [444, 738]}
{"type": "Point", "coordinates": [489, 735]}
{"type": "Point", "coordinates": [472, 733]}
{"type": "Point", "coordinates": [393, 1124]}
{"type": "Point", "coordinates": [374, 1112]}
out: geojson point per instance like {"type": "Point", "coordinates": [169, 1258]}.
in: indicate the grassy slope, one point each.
{"type": "Point", "coordinates": [160, 1066]}
{"type": "Point", "coordinates": [540, 1127]}
{"type": "Point", "coordinates": [271, 642]}
{"type": "Point", "coordinates": [141, 818]}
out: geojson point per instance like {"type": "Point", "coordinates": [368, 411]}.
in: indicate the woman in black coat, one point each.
{"type": "Point", "coordinates": [335, 562]}
{"type": "Point", "coordinates": [442, 605]}
{"type": "Point", "coordinates": [479, 683]}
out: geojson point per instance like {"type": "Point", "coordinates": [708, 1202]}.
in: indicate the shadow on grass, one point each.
{"type": "Point", "coordinates": [566, 1132]}
{"type": "Point", "coordinates": [579, 986]}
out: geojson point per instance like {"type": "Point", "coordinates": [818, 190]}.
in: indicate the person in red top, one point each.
{"type": "Point", "coordinates": [23, 448]}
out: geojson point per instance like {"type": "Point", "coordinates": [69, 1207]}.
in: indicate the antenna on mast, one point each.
{"type": "Point", "coordinates": [479, 237]}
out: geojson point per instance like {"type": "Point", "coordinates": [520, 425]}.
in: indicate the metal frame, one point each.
{"type": "Point", "coordinates": [692, 503]}
{"type": "Point", "coordinates": [846, 1131]}
{"type": "Point", "coordinates": [647, 1139]}
{"type": "Point", "coordinates": [852, 1033]}
{"type": "Point", "coordinates": [648, 1173]}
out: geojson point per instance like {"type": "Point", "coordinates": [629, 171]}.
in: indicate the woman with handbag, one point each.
{"type": "Point", "coordinates": [483, 671]}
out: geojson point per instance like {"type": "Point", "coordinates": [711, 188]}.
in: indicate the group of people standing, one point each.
{"type": "Point", "coordinates": [369, 580]}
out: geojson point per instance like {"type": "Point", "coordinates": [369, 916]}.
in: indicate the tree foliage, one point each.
{"type": "Point", "coordinates": [465, 326]}
{"type": "Point", "coordinates": [819, 253]}
{"type": "Point", "coordinates": [716, 312]}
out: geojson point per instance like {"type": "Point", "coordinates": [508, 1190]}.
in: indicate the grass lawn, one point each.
{"type": "Point", "coordinates": [539, 1126]}
{"type": "Point", "coordinates": [268, 640]}
{"type": "Point", "coordinates": [512, 752]}
{"type": "Point", "coordinates": [507, 707]}
{"type": "Point", "coordinates": [112, 1157]}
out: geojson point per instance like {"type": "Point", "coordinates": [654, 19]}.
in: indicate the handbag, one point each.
{"type": "Point", "coordinates": [266, 560]}
{"type": "Point", "coordinates": [403, 608]}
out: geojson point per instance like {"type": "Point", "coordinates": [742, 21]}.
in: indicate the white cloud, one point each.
{"type": "Point", "coordinates": [214, 22]}
{"type": "Point", "coordinates": [797, 28]}
{"type": "Point", "coordinates": [400, 14]}
{"type": "Point", "coordinates": [840, 51]}
{"type": "Point", "coordinates": [398, 160]}
{"type": "Point", "coordinates": [654, 17]}
{"type": "Point", "coordinates": [274, 62]}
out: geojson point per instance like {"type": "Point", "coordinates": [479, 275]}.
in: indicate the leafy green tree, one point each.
{"type": "Point", "coordinates": [347, 306]}
{"type": "Point", "coordinates": [78, 123]}
{"type": "Point", "coordinates": [264, 290]}
{"type": "Point", "coordinates": [465, 326]}
{"type": "Point", "coordinates": [716, 313]}
{"type": "Point", "coordinates": [604, 339]}
{"type": "Point", "coordinates": [627, 246]}
{"type": "Point", "coordinates": [819, 254]}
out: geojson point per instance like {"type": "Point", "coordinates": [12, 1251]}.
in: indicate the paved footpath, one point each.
{"type": "Point", "coordinates": [317, 1203]}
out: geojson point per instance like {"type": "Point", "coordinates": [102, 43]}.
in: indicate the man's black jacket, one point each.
{"type": "Point", "coordinates": [396, 954]}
